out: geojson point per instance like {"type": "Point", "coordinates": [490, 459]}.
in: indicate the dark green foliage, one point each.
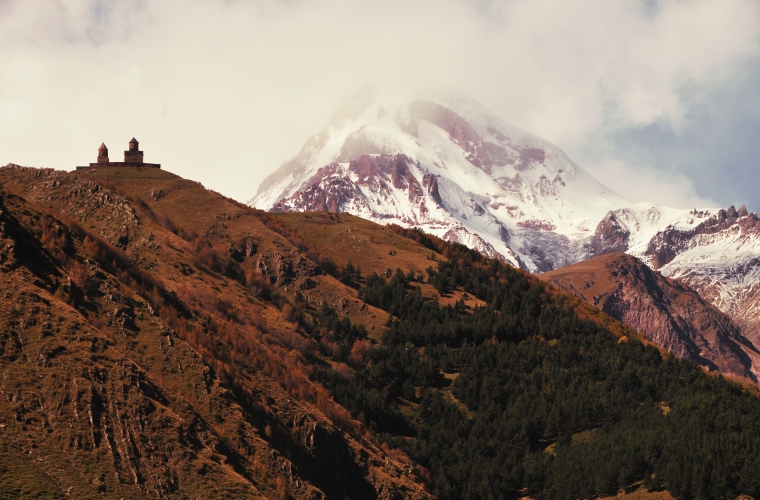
{"type": "Point", "coordinates": [351, 275]}
{"type": "Point", "coordinates": [358, 394]}
{"type": "Point", "coordinates": [348, 271]}
{"type": "Point", "coordinates": [545, 403]}
{"type": "Point", "coordinates": [341, 330]}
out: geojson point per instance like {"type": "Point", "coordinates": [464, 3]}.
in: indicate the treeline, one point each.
{"type": "Point", "coordinates": [543, 403]}
{"type": "Point", "coordinates": [428, 241]}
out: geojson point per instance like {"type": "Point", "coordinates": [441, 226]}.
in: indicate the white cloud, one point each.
{"type": "Point", "coordinates": [640, 183]}
{"type": "Point", "coordinates": [224, 91]}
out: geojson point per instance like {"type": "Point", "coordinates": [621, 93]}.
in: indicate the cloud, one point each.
{"type": "Point", "coordinates": [579, 66]}
{"type": "Point", "coordinates": [641, 183]}
{"type": "Point", "coordinates": [224, 91]}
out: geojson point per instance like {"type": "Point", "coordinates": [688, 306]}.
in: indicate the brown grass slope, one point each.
{"type": "Point", "coordinates": [371, 247]}
{"type": "Point", "coordinates": [132, 365]}
{"type": "Point", "coordinates": [667, 312]}
{"type": "Point", "coordinates": [285, 259]}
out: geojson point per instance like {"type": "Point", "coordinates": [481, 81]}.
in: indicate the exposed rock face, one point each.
{"type": "Point", "coordinates": [671, 241]}
{"type": "Point", "coordinates": [334, 186]}
{"type": "Point", "coordinates": [610, 236]}
{"type": "Point", "coordinates": [667, 312]}
{"type": "Point", "coordinates": [715, 252]}
{"type": "Point", "coordinates": [245, 248]}
{"type": "Point", "coordinates": [282, 270]}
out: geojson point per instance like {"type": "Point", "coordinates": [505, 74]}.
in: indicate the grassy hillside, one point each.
{"type": "Point", "coordinates": [143, 359]}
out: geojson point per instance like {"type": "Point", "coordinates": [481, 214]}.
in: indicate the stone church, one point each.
{"type": "Point", "coordinates": [133, 157]}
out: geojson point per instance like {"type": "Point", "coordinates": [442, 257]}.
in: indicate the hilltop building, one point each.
{"type": "Point", "coordinates": [133, 157]}
{"type": "Point", "coordinates": [103, 154]}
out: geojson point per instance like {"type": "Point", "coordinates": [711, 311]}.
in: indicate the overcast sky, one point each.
{"type": "Point", "coordinates": [658, 99]}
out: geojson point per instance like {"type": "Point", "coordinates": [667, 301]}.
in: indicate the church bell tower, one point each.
{"type": "Point", "coordinates": [102, 154]}
{"type": "Point", "coordinates": [134, 155]}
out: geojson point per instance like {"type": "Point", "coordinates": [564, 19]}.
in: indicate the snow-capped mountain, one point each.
{"type": "Point", "coordinates": [440, 161]}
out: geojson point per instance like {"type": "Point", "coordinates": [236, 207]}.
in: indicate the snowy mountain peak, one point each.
{"type": "Point", "coordinates": [439, 160]}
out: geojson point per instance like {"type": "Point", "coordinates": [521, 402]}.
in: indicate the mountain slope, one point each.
{"type": "Point", "coordinates": [70, 389]}
{"type": "Point", "coordinates": [535, 401]}
{"type": "Point", "coordinates": [222, 349]}
{"type": "Point", "coordinates": [134, 365]}
{"type": "Point", "coordinates": [668, 313]}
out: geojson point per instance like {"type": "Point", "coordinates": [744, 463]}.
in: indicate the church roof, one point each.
{"type": "Point", "coordinates": [103, 146]}
{"type": "Point", "coordinates": [133, 141]}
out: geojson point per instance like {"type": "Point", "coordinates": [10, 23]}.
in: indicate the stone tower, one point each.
{"type": "Point", "coordinates": [134, 155]}
{"type": "Point", "coordinates": [102, 154]}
